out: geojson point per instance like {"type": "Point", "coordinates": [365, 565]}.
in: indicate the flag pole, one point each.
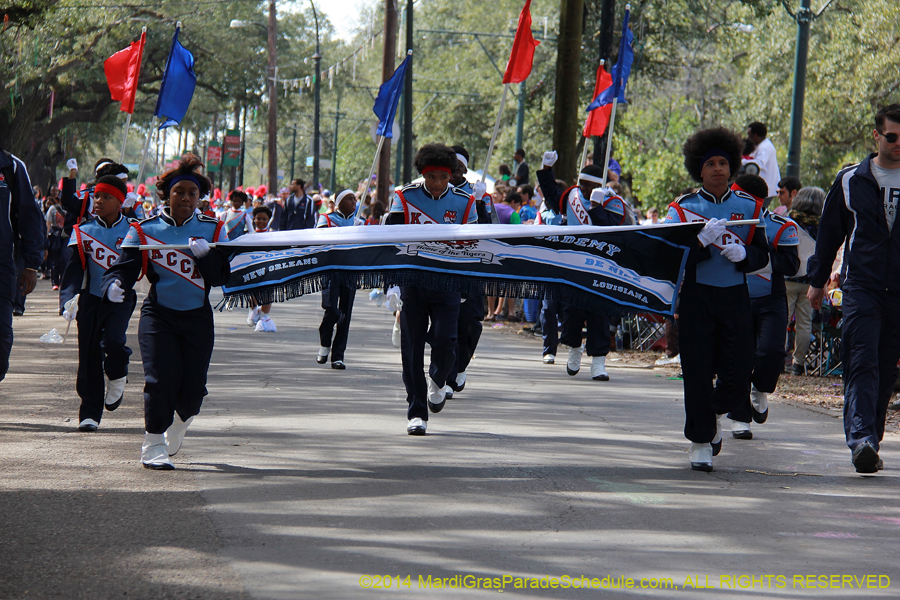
{"type": "Point", "coordinates": [125, 137]}
{"type": "Point", "coordinates": [369, 180]}
{"type": "Point", "coordinates": [146, 149]}
{"type": "Point", "coordinates": [609, 136]}
{"type": "Point", "coordinates": [584, 153]}
{"type": "Point", "coordinates": [490, 152]}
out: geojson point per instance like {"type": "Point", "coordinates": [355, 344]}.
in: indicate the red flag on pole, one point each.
{"type": "Point", "coordinates": [519, 66]}
{"type": "Point", "coordinates": [122, 70]}
{"type": "Point", "coordinates": [598, 118]}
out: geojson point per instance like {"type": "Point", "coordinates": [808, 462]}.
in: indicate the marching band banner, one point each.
{"type": "Point", "coordinates": [612, 269]}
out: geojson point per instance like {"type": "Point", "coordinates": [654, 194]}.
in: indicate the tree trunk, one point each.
{"type": "Point", "coordinates": [568, 82]}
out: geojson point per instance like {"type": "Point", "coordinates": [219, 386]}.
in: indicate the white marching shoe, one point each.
{"type": "Point", "coordinates": [266, 325]}
{"type": "Point", "coordinates": [88, 425]}
{"type": "Point", "coordinates": [716, 444]}
{"type": "Point", "coordinates": [436, 396]}
{"type": "Point", "coordinates": [416, 426]}
{"type": "Point", "coordinates": [701, 457]}
{"type": "Point", "coordinates": [573, 364]}
{"type": "Point", "coordinates": [598, 369]}
{"type": "Point", "coordinates": [175, 434]}
{"type": "Point", "coordinates": [253, 317]}
{"type": "Point", "coordinates": [460, 381]}
{"type": "Point", "coordinates": [759, 405]}
{"type": "Point", "coordinates": [741, 430]}
{"type": "Point", "coordinates": [115, 391]}
{"type": "Point", "coordinates": [154, 454]}
{"type": "Point", "coordinates": [395, 335]}
{"type": "Point", "coordinates": [322, 356]}
{"type": "Point", "coordinates": [549, 359]}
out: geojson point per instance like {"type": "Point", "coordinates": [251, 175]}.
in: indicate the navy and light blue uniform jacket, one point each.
{"type": "Point", "coordinates": [854, 211]}
{"type": "Point", "coordinates": [96, 247]}
{"type": "Point", "coordinates": [21, 223]}
{"type": "Point", "coordinates": [546, 216]}
{"type": "Point", "coordinates": [707, 265]}
{"type": "Point", "coordinates": [573, 205]}
{"type": "Point", "coordinates": [414, 205]}
{"type": "Point", "coordinates": [178, 281]}
{"type": "Point", "coordinates": [237, 223]}
{"type": "Point", "coordinates": [335, 219]}
{"type": "Point", "coordinates": [784, 243]}
{"type": "Point", "coordinates": [484, 208]}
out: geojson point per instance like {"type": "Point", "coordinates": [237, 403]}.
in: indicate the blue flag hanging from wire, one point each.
{"type": "Point", "coordinates": [177, 86]}
{"type": "Point", "coordinates": [620, 71]}
{"type": "Point", "coordinates": [388, 97]}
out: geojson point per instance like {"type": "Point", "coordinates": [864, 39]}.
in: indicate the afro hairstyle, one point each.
{"type": "Point", "coordinates": [696, 147]}
{"type": "Point", "coordinates": [189, 164]}
{"type": "Point", "coordinates": [239, 196]}
{"type": "Point", "coordinates": [435, 155]}
{"type": "Point", "coordinates": [753, 185]}
{"type": "Point", "coordinates": [262, 209]}
{"type": "Point", "coordinates": [115, 182]}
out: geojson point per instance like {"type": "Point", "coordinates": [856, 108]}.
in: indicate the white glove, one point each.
{"type": "Point", "coordinates": [550, 158]}
{"type": "Point", "coordinates": [712, 231]}
{"type": "Point", "coordinates": [130, 199]}
{"type": "Point", "coordinates": [199, 247]}
{"type": "Point", "coordinates": [479, 190]}
{"type": "Point", "coordinates": [115, 293]}
{"type": "Point", "coordinates": [599, 194]}
{"type": "Point", "coordinates": [734, 252]}
{"type": "Point", "coordinates": [72, 164]}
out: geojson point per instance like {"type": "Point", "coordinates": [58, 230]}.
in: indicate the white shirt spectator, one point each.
{"type": "Point", "coordinates": [764, 156]}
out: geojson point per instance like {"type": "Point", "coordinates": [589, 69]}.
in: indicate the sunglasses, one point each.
{"type": "Point", "coordinates": [890, 137]}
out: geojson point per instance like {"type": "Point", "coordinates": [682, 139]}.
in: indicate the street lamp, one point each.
{"type": "Point", "coordinates": [316, 136]}
{"type": "Point", "coordinates": [271, 82]}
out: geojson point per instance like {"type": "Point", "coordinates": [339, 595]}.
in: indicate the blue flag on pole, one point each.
{"type": "Point", "coordinates": [620, 71]}
{"type": "Point", "coordinates": [177, 86]}
{"type": "Point", "coordinates": [388, 97]}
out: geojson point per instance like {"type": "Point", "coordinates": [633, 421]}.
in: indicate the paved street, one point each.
{"type": "Point", "coordinates": [299, 481]}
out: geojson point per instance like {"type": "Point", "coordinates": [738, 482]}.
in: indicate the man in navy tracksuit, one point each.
{"type": "Point", "coordinates": [21, 225]}
{"type": "Point", "coordinates": [859, 212]}
{"type": "Point", "coordinates": [433, 201]}
{"type": "Point", "coordinates": [299, 209]}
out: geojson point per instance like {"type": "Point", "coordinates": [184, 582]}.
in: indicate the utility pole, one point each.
{"type": "Point", "coordinates": [568, 81]}
{"type": "Point", "coordinates": [273, 100]}
{"type": "Point", "coordinates": [382, 192]}
{"type": "Point", "coordinates": [408, 100]}
{"type": "Point", "coordinates": [334, 145]}
{"type": "Point", "coordinates": [316, 90]}
{"type": "Point", "coordinates": [803, 17]}
{"type": "Point", "coordinates": [607, 31]}
{"type": "Point", "coordinates": [520, 118]}
{"type": "Point", "coordinates": [293, 151]}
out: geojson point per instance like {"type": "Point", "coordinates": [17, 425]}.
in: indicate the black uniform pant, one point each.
{"type": "Point", "coordinates": [575, 319]}
{"type": "Point", "coordinates": [176, 347]}
{"type": "Point", "coordinates": [550, 326]}
{"type": "Point", "coordinates": [769, 324]}
{"type": "Point", "coordinates": [8, 287]}
{"type": "Point", "coordinates": [716, 335]}
{"type": "Point", "coordinates": [871, 349]}
{"type": "Point", "coordinates": [442, 308]}
{"type": "Point", "coordinates": [468, 333]}
{"type": "Point", "coordinates": [337, 300]}
{"type": "Point", "coordinates": [101, 349]}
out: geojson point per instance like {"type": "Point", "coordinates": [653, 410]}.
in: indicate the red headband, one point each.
{"type": "Point", "coordinates": [430, 168]}
{"type": "Point", "coordinates": [109, 189]}
{"type": "Point", "coordinates": [738, 188]}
